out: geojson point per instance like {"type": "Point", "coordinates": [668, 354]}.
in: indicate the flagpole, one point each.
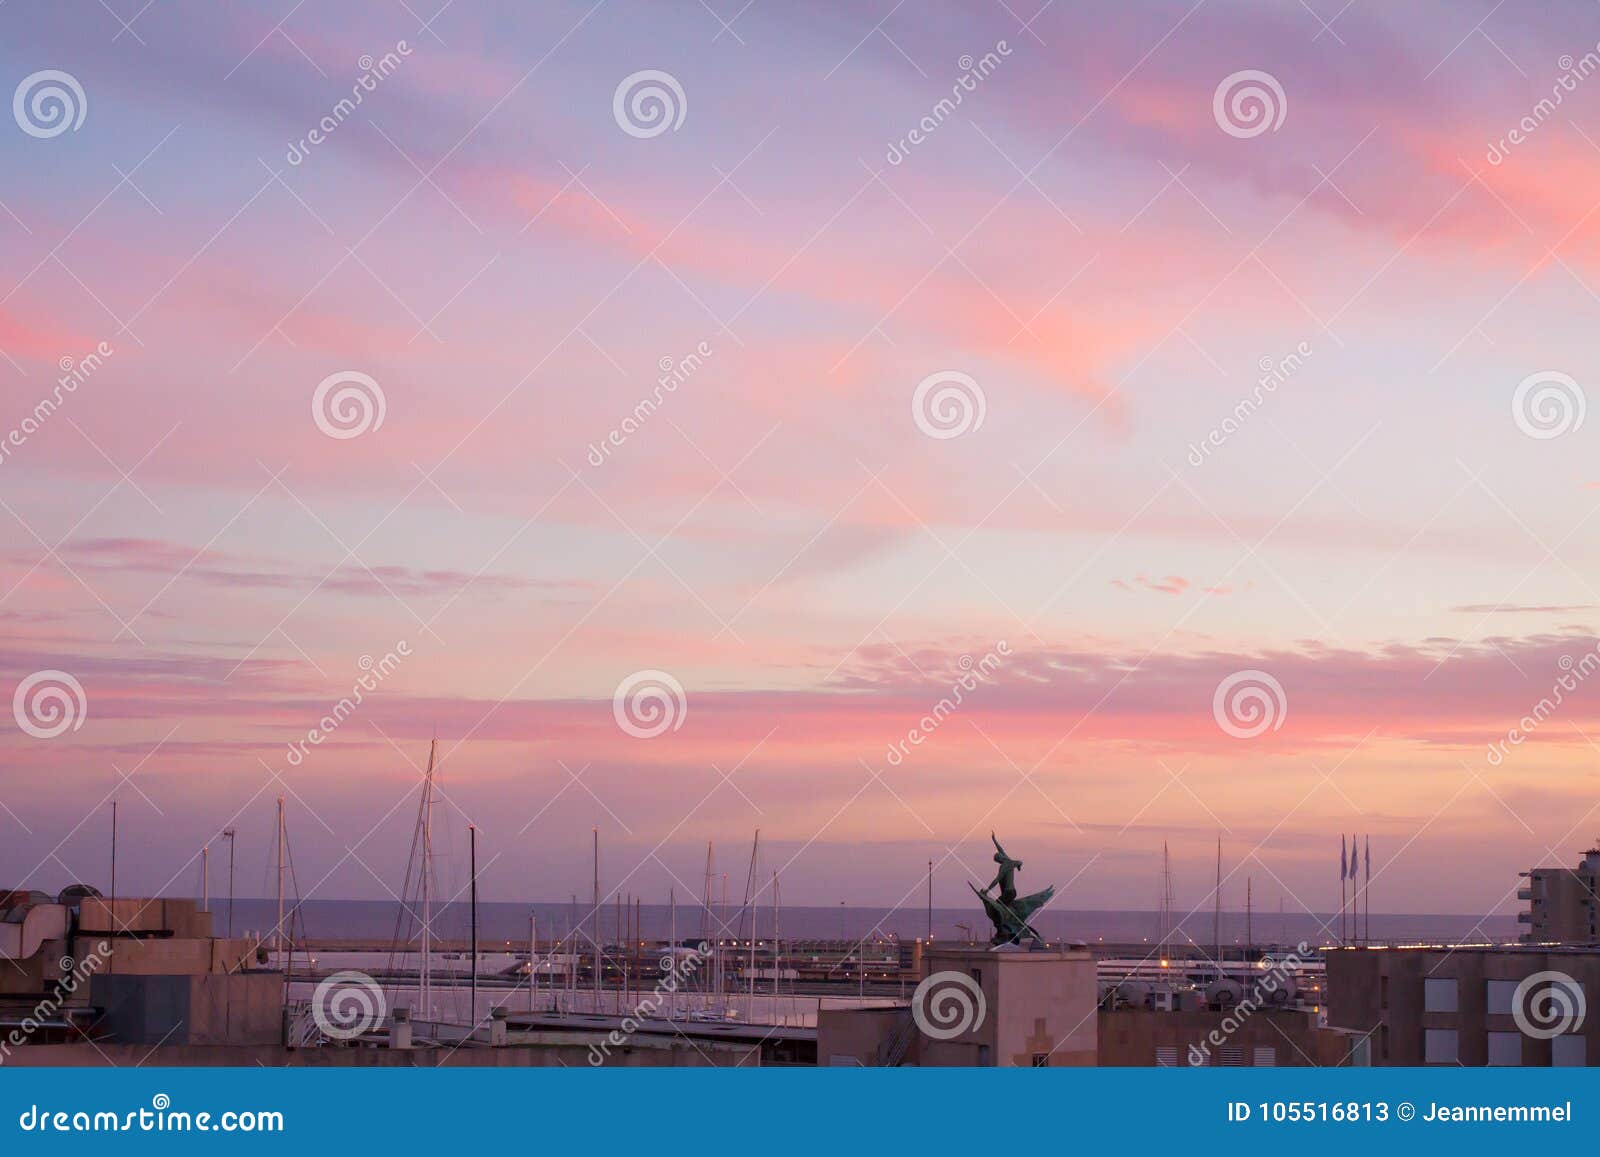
{"type": "Point", "coordinates": [1367, 891]}
{"type": "Point", "coordinates": [1355, 889]}
{"type": "Point", "coordinates": [1344, 873]}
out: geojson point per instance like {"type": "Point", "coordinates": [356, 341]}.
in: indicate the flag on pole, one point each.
{"type": "Point", "coordinates": [1355, 857]}
{"type": "Point", "coordinates": [1344, 860]}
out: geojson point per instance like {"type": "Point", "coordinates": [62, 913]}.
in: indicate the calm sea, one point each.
{"type": "Point", "coordinates": [376, 920]}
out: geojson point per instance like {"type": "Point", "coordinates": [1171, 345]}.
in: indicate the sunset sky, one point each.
{"type": "Point", "coordinates": [1392, 532]}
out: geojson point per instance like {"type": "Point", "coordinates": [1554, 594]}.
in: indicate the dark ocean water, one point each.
{"type": "Point", "coordinates": [376, 920]}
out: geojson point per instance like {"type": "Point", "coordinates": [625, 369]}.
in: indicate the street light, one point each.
{"type": "Point", "coordinates": [228, 834]}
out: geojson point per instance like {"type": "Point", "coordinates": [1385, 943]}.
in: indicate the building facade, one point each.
{"type": "Point", "coordinates": [1562, 906]}
{"type": "Point", "coordinates": [1466, 1004]}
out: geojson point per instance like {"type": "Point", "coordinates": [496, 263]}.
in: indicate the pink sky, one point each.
{"type": "Point", "coordinates": [1083, 238]}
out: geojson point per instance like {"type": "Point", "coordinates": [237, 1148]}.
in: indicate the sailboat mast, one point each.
{"type": "Point", "coordinates": [472, 839]}
{"type": "Point", "coordinates": [596, 920]}
{"type": "Point", "coordinates": [1216, 911]}
{"type": "Point", "coordinates": [750, 902]}
{"type": "Point", "coordinates": [425, 971]}
{"type": "Point", "coordinates": [277, 932]}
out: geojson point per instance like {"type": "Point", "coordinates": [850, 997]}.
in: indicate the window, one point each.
{"type": "Point", "coordinates": [1266, 1057]}
{"type": "Point", "coordinates": [977, 975]}
{"type": "Point", "coordinates": [1505, 1048]}
{"type": "Point", "coordinates": [1568, 1050]}
{"type": "Point", "coordinates": [1499, 996]}
{"type": "Point", "coordinates": [1439, 1045]}
{"type": "Point", "coordinates": [1439, 995]}
{"type": "Point", "coordinates": [983, 1057]}
{"type": "Point", "coordinates": [1166, 1056]}
{"type": "Point", "coordinates": [1232, 1056]}
{"type": "Point", "coordinates": [1041, 1060]}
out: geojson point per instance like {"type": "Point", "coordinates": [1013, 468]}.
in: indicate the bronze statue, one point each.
{"type": "Point", "coordinates": [1009, 912]}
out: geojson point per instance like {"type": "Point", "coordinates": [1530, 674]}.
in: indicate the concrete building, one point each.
{"type": "Point", "coordinates": [1263, 1038]}
{"type": "Point", "coordinates": [1011, 1007]}
{"type": "Point", "coordinates": [131, 972]}
{"type": "Point", "coordinates": [1466, 1004]}
{"type": "Point", "coordinates": [1562, 907]}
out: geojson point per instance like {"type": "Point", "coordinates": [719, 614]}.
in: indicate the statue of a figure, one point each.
{"type": "Point", "coordinates": [1009, 912]}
